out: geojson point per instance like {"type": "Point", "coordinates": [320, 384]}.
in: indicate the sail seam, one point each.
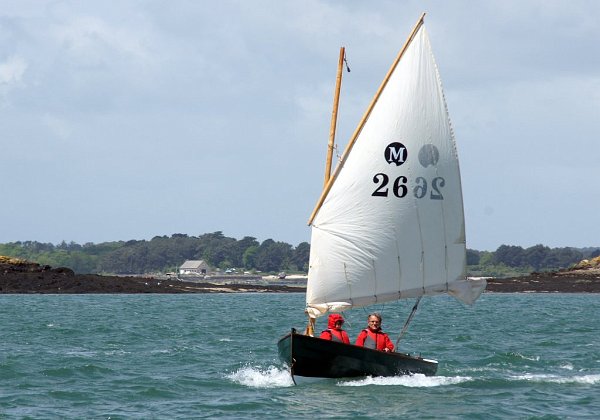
{"type": "Point", "coordinates": [374, 279]}
{"type": "Point", "coordinates": [399, 265]}
{"type": "Point", "coordinates": [348, 283]}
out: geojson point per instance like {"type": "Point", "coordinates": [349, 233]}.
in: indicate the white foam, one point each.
{"type": "Point", "coordinates": [116, 352]}
{"type": "Point", "coordinates": [567, 366]}
{"type": "Point", "coordinates": [582, 379]}
{"type": "Point", "coordinates": [411, 381]}
{"type": "Point", "coordinates": [531, 358]}
{"type": "Point", "coordinates": [255, 377]}
{"type": "Point", "coordinates": [160, 351]}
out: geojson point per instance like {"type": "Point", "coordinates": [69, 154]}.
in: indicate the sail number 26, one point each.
{"type": "Point", "coordinates": [400, 187]}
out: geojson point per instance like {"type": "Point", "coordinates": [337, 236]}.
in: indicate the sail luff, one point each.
{"type": "Point", "coordinates": [362, 122]}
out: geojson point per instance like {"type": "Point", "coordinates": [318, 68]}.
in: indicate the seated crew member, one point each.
{"type": "Point", "coordinates": [372, 337]}
{"type": "Point", "coordinates": [334, 331]}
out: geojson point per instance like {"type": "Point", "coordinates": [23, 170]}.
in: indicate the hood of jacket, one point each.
{"type": "Point", "coordinates": [333, 318]}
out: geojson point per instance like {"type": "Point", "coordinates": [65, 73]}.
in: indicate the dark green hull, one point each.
{"type": "Point", "coordinates": [314, 357]}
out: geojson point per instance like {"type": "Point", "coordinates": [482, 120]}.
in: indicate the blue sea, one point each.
{"type": "Point", "coordinates": [214, 356]}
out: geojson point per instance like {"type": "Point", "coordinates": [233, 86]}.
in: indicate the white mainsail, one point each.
{"type": "Point", "coordinates": [391, 226]}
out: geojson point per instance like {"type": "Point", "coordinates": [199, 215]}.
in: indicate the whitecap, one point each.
{"type": "Point", "coordinates": [161, 351]}
{"type": "Point", "coordinates": [116, 352]}
{"type": "Point", "coordinates": [578, 379]}
{"type": "Point", "coordinates": [411, 381]}
{"type": "Point", "coordinates": [255, 377]}
{"type": "Point", "coordinates": [530, 358]}
{"type": "Point", "coordinates": [225, 340]}
{"type": "Point", "coordinates": [567, 366]}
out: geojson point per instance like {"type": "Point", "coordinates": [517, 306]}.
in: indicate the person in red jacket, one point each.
{"type": "Point", "coordinates": [372, 337]}
{"type": "Point", "coordinates": [334, 331]}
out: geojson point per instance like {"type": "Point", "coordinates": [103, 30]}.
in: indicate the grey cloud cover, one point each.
{"type": "Point", "coordinates": [125, 120]}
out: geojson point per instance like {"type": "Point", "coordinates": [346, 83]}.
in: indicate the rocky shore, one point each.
{"type": "Point", "coordinates": [584, 277]}
{"type": "Point", "coordinates": [18, 276]}
{"type": "Point", "coordinates": [573, 281]}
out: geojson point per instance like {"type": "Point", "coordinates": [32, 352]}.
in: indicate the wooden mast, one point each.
{"type": "Point", "coordinates": [336, 102]}
{"type": "Point", "coordinates": [362, 122]}
{"type": "Point", "coordinates": [310, 327]}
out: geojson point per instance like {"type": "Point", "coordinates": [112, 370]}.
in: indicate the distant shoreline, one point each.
{"type": "Point", "coordinates": [31, 278]}
{"type": "Point", "coordinates": [574, 281]}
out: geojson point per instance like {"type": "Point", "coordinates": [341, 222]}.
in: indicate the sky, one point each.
{"type": "Point", "coordinates": [133, 119]}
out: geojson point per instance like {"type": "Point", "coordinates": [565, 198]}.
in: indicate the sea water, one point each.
{"type": "Point", "coordinates": [215, 356]}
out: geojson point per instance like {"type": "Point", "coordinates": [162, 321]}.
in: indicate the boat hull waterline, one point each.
{"type": "Point", "coordinates": [317, 358]}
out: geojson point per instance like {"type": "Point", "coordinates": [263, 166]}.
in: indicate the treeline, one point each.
{"type": "Point", "coordinates": [510, 260]}
{"type": "Point", "coordinates": [165, 254]}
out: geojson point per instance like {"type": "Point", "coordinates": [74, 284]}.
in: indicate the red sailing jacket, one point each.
{"type": "Point", "coordinates": [331, 333]}
{"type": "Point", "coordinates": [374, 340]}
{"type": "Point", "coordinates": [335, 335]}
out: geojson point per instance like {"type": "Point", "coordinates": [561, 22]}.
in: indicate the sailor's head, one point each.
{"type": "Point", "coordinates": [374, 321]}
{"type": "Point", "coordinates": [335, 321]}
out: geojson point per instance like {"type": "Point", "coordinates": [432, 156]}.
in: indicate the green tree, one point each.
{"type": "Point", "coordinates": [563, 257]}
{"type": "Point", "coordinates": [486, 258]}
{"type": "Point", "coordinates": [300, 256]}
{"type": "Point", "coordinates": [536, 255]}
{"type": "Point", "coordinates": [273, 256]}
{"type": "Point", "coordinates": [472, 257]}
{"type": "Point", "coordinates": [249, 257]}
{"type": "Point", "coordinates": [512, 256]}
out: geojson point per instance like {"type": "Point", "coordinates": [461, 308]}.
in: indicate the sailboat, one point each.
{"type": "Point", "coordinates": [389, 223]}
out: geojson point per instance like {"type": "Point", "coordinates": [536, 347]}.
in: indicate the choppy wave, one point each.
{"type": "Point", "coordinates": [567, 366]}
{"type": "Point", "coordinates": [256, 377]}
{"type": "Point", "coordinates": [138, 356]}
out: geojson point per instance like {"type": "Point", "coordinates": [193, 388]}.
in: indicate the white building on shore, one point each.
{"type": "Point", "coordinates": [196, 267]}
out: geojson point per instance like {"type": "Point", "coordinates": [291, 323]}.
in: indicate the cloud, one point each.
{"type": "Point", "coordinates": [91, 38]}
{"type": "Point", "coordinates": [58, 126]}
{"type": "Point", "coordinates": [11, 75]}
{"type": "Point", "coordinates": [12, 70]}
{"type": "Point", "coordinates": [229, 102]}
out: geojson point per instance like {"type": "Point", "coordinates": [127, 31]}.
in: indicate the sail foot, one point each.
{"type": "Point", "coordinates": [465, 290]}
{"type": "Point", "coordinates": [320, 309]}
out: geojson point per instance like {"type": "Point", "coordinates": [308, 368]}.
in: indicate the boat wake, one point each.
{"type": "Point", "coordinates": [411, 381]}
{"type": "Point", "coordinates": [257, 377]}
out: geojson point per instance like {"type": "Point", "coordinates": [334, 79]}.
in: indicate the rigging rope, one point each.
{"type": "Point", "coordinates": [410, 317]}
{"type": "Point", "coordinates": [346, 63]}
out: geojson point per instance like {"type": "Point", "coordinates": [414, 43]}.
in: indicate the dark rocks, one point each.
{"type": "Point", "coordinates": [574, 281]}
{"type": "Point", "coordinates": [33, 278]}
{"type": "Point", "coordinates": [17, 276]}
{"type": "Point", "coordinates": [64, 270]}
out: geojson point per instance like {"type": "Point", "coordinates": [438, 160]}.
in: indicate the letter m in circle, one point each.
{"type": "Point", "coordinates": [396, 153]}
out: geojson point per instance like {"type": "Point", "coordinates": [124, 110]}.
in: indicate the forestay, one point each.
{"type": "Point", "coordinates": [392, 224]}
